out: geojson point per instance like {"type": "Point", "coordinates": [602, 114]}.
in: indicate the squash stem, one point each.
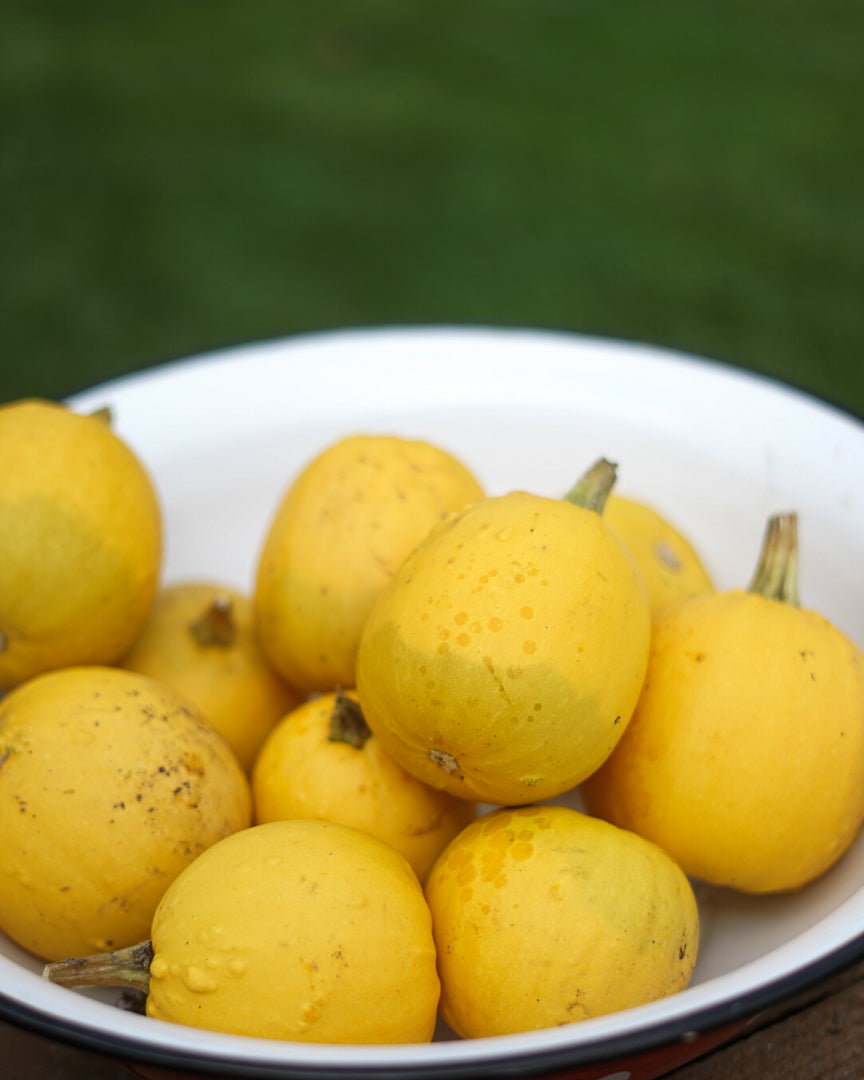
{"type": "Point", "coordinates": [776, 573]}
{"type": "Point", "coordinates": [216, 627]}
{"type": "Point", "coordinates": [104, 414]}
{"type": "Point", "coordinates": [128, 968]}
{"type": "Point", "coordinates": [592, 489]}
{"type": "Point", "coordinates": [347, 722]}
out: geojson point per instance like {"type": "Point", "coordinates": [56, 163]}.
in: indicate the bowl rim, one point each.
{"type": "Point", "coordinates": [589, 340]}
{"type": "Point", "coordinates": [551, 1061]}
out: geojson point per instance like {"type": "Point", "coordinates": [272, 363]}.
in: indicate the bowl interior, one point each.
{"type": "Point", "coordinates": [714, 449]}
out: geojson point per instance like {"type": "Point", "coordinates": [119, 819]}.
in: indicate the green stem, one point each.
{"type": "Point", "coordinates": [592, 489]}
{"type": "Point", "coordinates": [128, 968]}
{"type": "Point", "coordinates": [776, 574]}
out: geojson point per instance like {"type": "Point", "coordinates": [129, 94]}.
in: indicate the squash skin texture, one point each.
{"type": "Point", "coordinates": [110, 784]}
{"type": "Point", "coordinates": [80, 541]}
{"type": "Point", "coordinates": [505, 659]}
{"type": "Point", "coordinates": [544, 916]}
{"type": "Point", "coordinates": [339, 534]}
{"type": "Point", "coordinates": [670, 565]}
{"type": "Point", "coordinates": [302, 930]}
{"type": "Point", "coordinates": [301, 772]}
{"type": "Point", "coordinates": [745, 755]}
{"type": "Point", "coordinates": [233, 683]}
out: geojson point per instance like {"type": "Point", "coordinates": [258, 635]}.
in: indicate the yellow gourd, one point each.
{"type": "Point", "coordinates": [504, 660]}
{"type": "Point", "coordinates": [301, 930]}
{"type": "Point", "coordinates": [669, 564]}
{"type": "Point", "coordinates": [322, 761]}
{"type": "Point", "coordinates": [80, 541]}
{"type": "Point", "coordinates": [340, 533]}
{"type": "Point", "coordinates": [745, 755]}
{"type": "Point", "coordinates": [543, 916]}
{"type": "Point", "coordinates": [110, 784]}
{"type": "Point", "coordinates": [200, 638]}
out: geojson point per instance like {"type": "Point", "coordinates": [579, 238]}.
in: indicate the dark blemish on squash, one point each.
{"type": "Point", "coordinates": [667, 556]}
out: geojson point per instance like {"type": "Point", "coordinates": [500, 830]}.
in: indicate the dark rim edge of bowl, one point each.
{"type": "Point", "coordinates": [533, 1063]}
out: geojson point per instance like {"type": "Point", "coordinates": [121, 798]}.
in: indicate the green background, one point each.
{"type": "Point", "coordinates": [181, 177]}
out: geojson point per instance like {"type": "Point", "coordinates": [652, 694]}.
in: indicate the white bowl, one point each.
{"type": "Point", "coordinates": [715, 449]}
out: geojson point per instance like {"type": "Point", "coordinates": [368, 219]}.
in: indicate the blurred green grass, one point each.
{"type": "Point", "coordinates": [176, 178]}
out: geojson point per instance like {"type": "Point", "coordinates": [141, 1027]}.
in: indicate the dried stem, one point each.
{"type": "Point", "coordinates": [776, 574]}
{"type": "Point", "coordinates": [104, 414]}
{"type": "Point", "coordinates": [217, 625]}
{"type": "Point", "coordinates": [128, 968]}
{"type": "Point", "coordinates": [592, 489]}
{"type": "Point", "coordinates": [347, 722]}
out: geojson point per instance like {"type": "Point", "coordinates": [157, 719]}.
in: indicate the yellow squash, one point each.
{"type": "Point", "coordinates": [669, 563]}
{"type": "Point", "coordinates": [543, 916]}
{"type": "Point", "coordinates": [504, 660]}
{"type": "Point", "coordinates": [200, 638]}
{"type": "Point", "coordinates": [745, 755]}
{"type": "Point", "coordinates": [110, 784]}
{"type": "Point", "coordinates": [301, 930]}
{"type": "Point", "coordinates": [321, 761]}
{"type": "Point", "coordinates": [340, 533]}
{"type": "Point", "coordinates": [80, 541]}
